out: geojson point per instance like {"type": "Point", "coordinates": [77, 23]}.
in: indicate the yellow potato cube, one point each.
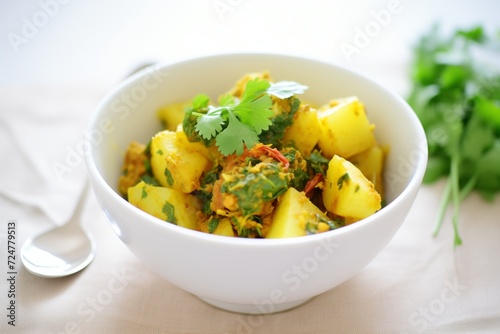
{"type": "Point", "coordinates": [305, 131]}
{"type": "Point", "coordinates": [293, 212]}
{"type": "Point", "coordinates": [166, 204]}
{"type": "Point", "coordinates": [172, 115]}
{"type": "Point", "coordinates": [241, 84]}
{"type": "Point", "coordinates": [347, 192]}
{"type": "Point", "coordinates": [350, 220]}
{"type": "Point", "coordinates": [177, 163]}
{"type": "Point", "coordinates": [224, 227]}
{"type": "Point", "coordinates": [211, 153]}
{"type": "Point", "coordinates": [371, 163]}
{"type": "Point", "coordinates": [345, 129]}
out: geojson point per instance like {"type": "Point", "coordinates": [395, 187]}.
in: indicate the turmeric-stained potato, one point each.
{"type": "Point", "coordinates": [371, 163]}
{"type": "Point", "coordinates": [293, 212]}
{"type": "Point", "coordinates": [177, 163]}
{"type": "Point", "coordinates": [134, 166]}
{"type": "Point", "coordinates": [166, 204]}
{"type": "Point", "coordinates": [172, 115]}
{"type": "Point", "coordinates": [240, 86]}
{"type": "Point", "coordinates": [345, 129]}
{"type": "Point", "coordinates": [211, 153]}
{"type": "Point", "coordinates": [347, 192]}
{"type": "Point", "coordinates": [305, 131]}
{"type": "Point", "coordinates": [218, 226]}
{"type": "Point", "coordinates": [350, 220]}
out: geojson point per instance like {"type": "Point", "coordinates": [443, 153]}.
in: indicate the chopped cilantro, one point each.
{"type": "Point", "coordinates": [205, 198]}
{"type": "Point", "coordinates": [298, 168]}
{"type": "Point", "coordinates": [205, 191]}
{"type": "Point", "coordinates": [317, 162]}
{"type": "Point", "coordinates": [212, 225]}
{"type": "Point", "coordinates": [169, 211]}
{"type": "Point", "coordinates": [147, 166]}
{"type": "Point", "coordinates": [280, 122]}
{"type": "Point", "coordinates": [311, 226]}
{"type": "Point", "coordinates": [343, 179]}
{"type": "Point", "coordinates": [149, 179]}
{"type": "Point", "coordinates": [168, 175]}
{"type": "Point", "coordinates": [255, 186]}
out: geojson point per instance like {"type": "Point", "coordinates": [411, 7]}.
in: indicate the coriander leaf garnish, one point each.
{"type": "Point", "coordinates": [255, 113]}
{"type": "Point", "coordinates": [226, 100]}
{"type": "Point", "coordinates": [286, 89]}
{"type": "Point", "coordinates": [210, 124]}
{"type": "Point", "coordinates": [236, 124]}
{"type": "Point", "coordinates": [200, 101]}
{"type": "Point", "coordinates": [254, 89]}
{"type": "Point", "coordinates": [232, 138]}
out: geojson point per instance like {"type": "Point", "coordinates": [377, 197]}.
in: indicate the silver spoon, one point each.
{"type": "Point", "coordinates": [66, 249]}
{"type": "Point", "coordinates": [62, 251]}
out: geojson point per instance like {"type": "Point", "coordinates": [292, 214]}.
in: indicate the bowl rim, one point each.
{"type": "Point", "coordinates": [414, 181]}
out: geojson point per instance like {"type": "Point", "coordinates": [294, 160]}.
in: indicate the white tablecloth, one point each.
{"type": "Point", "coordinates": [417, 284]}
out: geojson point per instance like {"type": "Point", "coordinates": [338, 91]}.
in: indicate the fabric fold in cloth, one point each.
{"type": "Point", "coordinates": [41, 134]}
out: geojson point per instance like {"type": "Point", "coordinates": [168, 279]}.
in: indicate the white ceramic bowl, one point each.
{"type": "Point", "coordinates": [251, 275]}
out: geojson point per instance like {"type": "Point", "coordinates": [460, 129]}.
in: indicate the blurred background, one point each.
{"type": "Point", "coordinates": [98, 42]}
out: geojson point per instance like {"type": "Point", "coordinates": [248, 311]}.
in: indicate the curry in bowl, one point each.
{"type": "Point", "coordinates": [258, 163]}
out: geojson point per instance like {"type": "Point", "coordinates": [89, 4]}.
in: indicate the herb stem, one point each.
{"type": "Point", "coordinates": [445, 199]}
{"type": "Point", "coordinates": [198, 114]}
{"type": "Point", "coordinates": [455, 191]}
{"type": "Point", "coordinates": [469, 186]}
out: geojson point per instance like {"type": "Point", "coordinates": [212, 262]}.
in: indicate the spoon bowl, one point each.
{"type": "Point", "coordinates": [62, 251]}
